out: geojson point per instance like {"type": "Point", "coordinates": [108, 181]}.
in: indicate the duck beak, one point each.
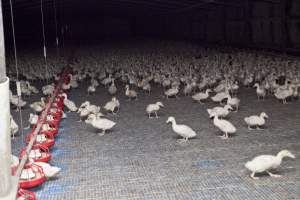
{"type": "Point", "coordinates": [292, 156]}
{"type": "Point", "coordinates": [167, 121]}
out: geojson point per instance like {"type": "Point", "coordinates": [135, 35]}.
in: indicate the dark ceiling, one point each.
{"type": "Point", "coordinates": [134, 6]}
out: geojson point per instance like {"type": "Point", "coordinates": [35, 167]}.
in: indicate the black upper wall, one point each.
{"type": "Point", "coordinates": [258, 24]}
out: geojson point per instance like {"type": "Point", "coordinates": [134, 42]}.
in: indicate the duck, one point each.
{"type": "Point", "coordinates": [130, 93]}
{"type": "Point", "coordinates": [255, 120]}
{"type": "Point", "coordinates": [14, 100]}
{"type": "Point", "coordinates": [112, 105]}
{"type": "Point", "coordinates": [219, 111]}
{"type": "Point", "coordinates": [187, 90]}
{"type": "Point", "coordinates": [225, 126]}
{"type": "Point", "coordinates": [49, 171]}
{"type": "Point", "coordinates": [183, 130]}
{"type": "Point", "coordinates": [100, 123]}
{"type": "Point", "coordinates": [264, 163]}
{"type": "Point", "coordinates": [83, 113]}
{"type": "Point", "coordinates": [112, 90]}
{"type": "Point", "coordinates": [14, 128]}
{"type": "Point", "coordinates": [260, 91]}
{"type": "Point", "coordinates": [38, 106]}
{"type": "Point", "coordinates": [69, 104]}
{"type": "Point", "coordinates": [154, 108]}
{"type": "Point", "coordinates": [91, 89]}
{"type": "Point", "coordinates": [233, 101]}
{"type": "Point", "coordinates": [33, 120]}
{"type": "Point", "coordinates": [107, 80]}
{"type": "Point", "coordinates": [201, 96]}
{"type": "Point", "coordinates": [48, 89]}
{"type": "Point", "coordinates": [147, 88]}
{"type": "Point", "coordinates": [219, 97]}
{"type": "Point", "coordinates": [283, 93]}
{"type": "Point", "coordinates": [172, 92]}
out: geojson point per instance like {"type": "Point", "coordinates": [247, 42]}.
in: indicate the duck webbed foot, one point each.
{"type": "Point", "coordinates": [274, 175]}
{"type": "Point", "coordinates": [182, 141]}
{"type": "Point", "coordinates": [102, 133]}
{"type": "Point", "coordinates": [253, 176]}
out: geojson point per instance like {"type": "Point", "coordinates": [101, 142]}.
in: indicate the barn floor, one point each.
{"type": "Point", "coordinates": [140, 158]}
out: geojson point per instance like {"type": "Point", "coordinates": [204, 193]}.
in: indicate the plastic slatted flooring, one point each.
{"type": "Point", "coordinates": [140, 158]}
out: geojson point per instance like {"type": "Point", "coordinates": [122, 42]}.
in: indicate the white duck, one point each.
{"type": "Point", "coordinates": [201, 96]}
{"type": "Point", "coordinates": [234, 102]}
{"type": "Point", "coordinates": [130, 93]}
{"type": "Point", "coordinates": [172, 92]}
{"type": "Point", "coordinates": [219, 111]}
{"type": "Point", "coordinates": [48, 89]}
{"type": "Point", "coordinates": [283, 94]}
{"type": "Point", "coordinates": [38, 106]}
{"type": "Point", "coordinates": [69, 104]}
{"type": "Point", "coordinates": [183, 130]}
{"type": "Point", "coordinates": [225, 126]}
{"type": "Point", "coordinates": [14, 128]}
{"type": "Point", "coordinates": [33, 120]}
{"type": "Point", "coordinates": [154, 108]}
{"type": "Point", "coordinates": [100, 123]}
{"type": "Point", "coordinates": [14, 99]}
{"type": "Point", "coordinates": [255, 120]}
{"type": "Point", "coordinates": [112, 88]}
{"type": "Point", "coordinates": [91, 89]}
{"type": "Point", "coordinates": [112, 105]}
{"type": "Point", "coordinates": [264, 163]}
{"type": "Point", "coordinates": [49, 171]}
{"type": "Point", "coordinates": [219, 97]}
{"type": "Point", "coordinates": [260, 91]}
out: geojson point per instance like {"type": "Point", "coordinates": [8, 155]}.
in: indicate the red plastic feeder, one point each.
{"type": "Point", "coordinates": [48, 142]}
{"type": "Point", "coordinates": [39, 153]}
{"type": "Point", "coordinates": [25, 195]}
{"type": "Point", "coordinates": [31, 176]}
{"type": "Point", "coordinates": [54, 122]}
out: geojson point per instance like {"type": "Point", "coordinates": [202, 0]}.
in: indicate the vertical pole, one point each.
{"type": "Point", "coordinates": [5, 148]}
{"type": "Point", "coordinates": [2, 54]}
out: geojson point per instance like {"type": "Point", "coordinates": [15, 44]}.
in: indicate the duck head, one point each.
{"type": "Point", "coordinates": [160, 104]}
{"type": "Point", "coordinates": [228, 107]}
{"type": "Point", "coordinates": [264, 115]}
{"type": "Point", "coordinates": [170, 119]}
{"type": "Point", "coordinates": [208, 90]}
{"type": "Point", "coordinates": [286, 153]}
{"type": "Point", "coordinates": [255, 85]}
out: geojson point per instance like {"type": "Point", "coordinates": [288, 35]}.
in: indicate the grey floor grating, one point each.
{"type": "Point", "coordinates": [141, 160]}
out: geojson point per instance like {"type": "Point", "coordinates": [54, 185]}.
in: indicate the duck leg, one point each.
{"type": "Point", "coordinates": [102, 133]}
{"type": "Point", "coordinates": [253, 176]}
{"type": "Point", "coordinates": [156, 115]}
{"type": "Point", "coordinates": [183, 140]}
{"type": "Point", "coordinates": [274, 175]}
{"type": "Point", "coordinates": [149, 115]}
{"type": "Point", "coordinates": [249, 127]}
{"type": "Point", "coordinates": [223, 137]}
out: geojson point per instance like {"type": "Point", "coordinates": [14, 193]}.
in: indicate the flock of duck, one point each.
{"type": "Point", "coordinates": [212, 75]}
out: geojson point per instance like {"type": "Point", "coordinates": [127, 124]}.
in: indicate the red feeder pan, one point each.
{"type": "Point", "coordinates": [45, 155]}
{"type": "Point", "coordinates": [38, 177]}
{"type": "Point", "coordinates": [49, 142]}
{"type": "Point", "coordinates": [25, 195]}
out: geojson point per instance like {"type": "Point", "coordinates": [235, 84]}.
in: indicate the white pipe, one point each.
{"type": "Point", "coordinates": [5, 146]}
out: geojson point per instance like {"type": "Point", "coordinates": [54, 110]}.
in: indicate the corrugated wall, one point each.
{"type": "Point", "coordinates": [261, 24]}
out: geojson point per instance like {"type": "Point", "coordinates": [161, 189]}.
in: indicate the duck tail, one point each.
{"type": "Point", "coordinates": [246, 119]}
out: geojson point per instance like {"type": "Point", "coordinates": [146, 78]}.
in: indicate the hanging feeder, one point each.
{"type": "Point", "coordinates": [46, 140]}
{"type": "Point", "coordinates": [25, 195]}
{"type": "Point", "coordinates": [39, 153]}
{"type": "Point", "coordinates": [56, 113]}
{"type": "Point", "coordinates": [31, 176]}
{"type": "Point", "coordinates": [52, 121]}
{"type": "Point", "coordinates": [49, 129]}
